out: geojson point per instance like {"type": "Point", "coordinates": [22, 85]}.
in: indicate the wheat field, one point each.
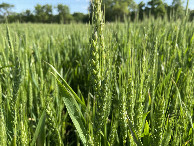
{"type": "Point", "coordinates": [101, 84]}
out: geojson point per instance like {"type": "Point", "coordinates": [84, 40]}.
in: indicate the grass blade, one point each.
{"type": "Point", "coordinates": [68, 87]}
{"type": "Point", "coordinates": [74, 112]}
{"type": "Point", "coordinates": [39, 129]}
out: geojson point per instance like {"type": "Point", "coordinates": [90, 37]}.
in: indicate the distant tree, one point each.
{"type": "Point", "coordinates": [5, 9]}
{"type": "Point", "coordinates": [39, 13]}
{"type": "Point", "coordinates": [48, 10]}
{"type": "Point", "coordinates": [168, 11]}
{"type": "Point", "coordinates": [157, 8]}
{"type": "Point", "coordinates": [115, 9]}
{"type": "Point", "coordinates": [27, 13]}
{"type": "Point", "coordinates": [13, 17]}
{"type": "Point", "coordinates": [160, 9]}
{"type": "Point", "coordinates": [141, 7]}
{"type": "Point", "coordinates": [63, 13]}
{"type": "Point", "coordinates": [86, 18]}
{"type": "Point", "coordinates": [120, 10]}
{"type": "Point", "coordinates": [43, 13]}
{"type": "Point", "coordinates": [191, 17]}
{"type": "Point", "coordinates": [178, 9]}
{"type": "Point", "coordinates": [27, 16]}
{"type": "Point", "coordinates": [78, 17]}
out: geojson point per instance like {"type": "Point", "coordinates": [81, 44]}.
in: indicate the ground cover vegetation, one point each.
{"type": "Point", "coordinates": [125, 83]}
{"type": "Point", "coordinates": [114, 10]}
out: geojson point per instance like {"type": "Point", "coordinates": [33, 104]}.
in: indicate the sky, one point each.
{"type": "Point", "coordinates": [74, 5]}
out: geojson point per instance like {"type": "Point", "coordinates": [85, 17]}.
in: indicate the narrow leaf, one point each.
{"type": "Point", "coordinates": [74, 112]}
{"type": "Point", "coordinates": [39, 129]}
{"type": "Point", "coordinates": [68, 87]}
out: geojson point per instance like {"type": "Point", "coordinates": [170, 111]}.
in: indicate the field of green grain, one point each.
{"type": "Point", "coordinates": [119, 84]}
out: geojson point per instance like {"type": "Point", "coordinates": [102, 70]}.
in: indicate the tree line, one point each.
{"type": "Point", "coordinates": [119, 9]}
{"type": "Point", "coordinates": [42, 14]}
{"type": "Point", "coordinates": [113, 9]}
